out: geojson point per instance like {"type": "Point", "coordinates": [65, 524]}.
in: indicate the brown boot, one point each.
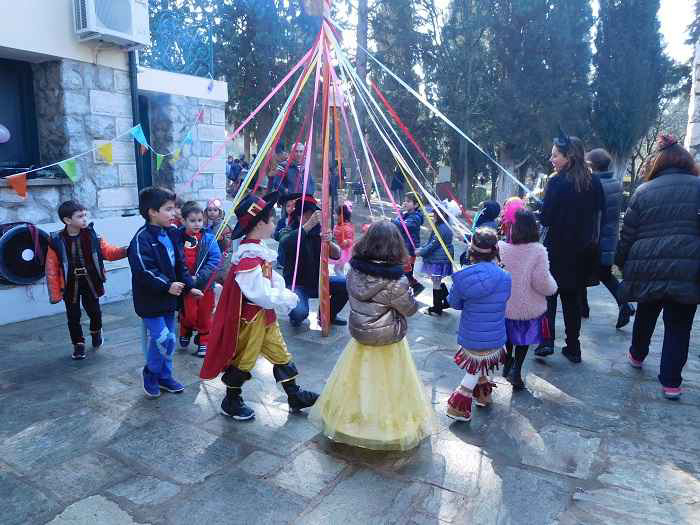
{"type": "Point", "coordinates": [482, 391]}
{"type": "Point", "coordinates": [459, 405]}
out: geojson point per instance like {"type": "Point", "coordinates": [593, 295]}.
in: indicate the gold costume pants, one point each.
{"type": "Point", "coordinates": [254, 339]}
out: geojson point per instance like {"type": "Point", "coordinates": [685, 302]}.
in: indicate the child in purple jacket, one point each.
{"type": "Point", "coordinates": [480, 291]}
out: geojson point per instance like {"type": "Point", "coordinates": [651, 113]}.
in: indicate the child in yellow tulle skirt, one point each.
{"type": "Point", "coordinates": [374, 397]}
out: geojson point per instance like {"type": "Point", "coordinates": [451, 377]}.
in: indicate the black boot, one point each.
{"type": "Point", "coordinates": [515, 376]}
{"type": "Point", "coordinates": [417, 288]}
{"type": "Point", "coordinates": [233, 404]}
{"type": "Point", "coordinates": [623, 319]}
{"type": "Point", "coordinates": [296, 397]}
{"type": "Point", "coordinates": [437, 303]}
{"type": "Point", "coordinates": [509, 360]}
{"type": "Point", "coordinates": [445, 294]}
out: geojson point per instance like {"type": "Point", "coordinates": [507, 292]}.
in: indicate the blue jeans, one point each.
{"type": "Point", "coordinates": [338, 293]}
{"type": "Point", "coordinates": [161, 345]}
{"type": "Point", "coordinates": [678, 321]}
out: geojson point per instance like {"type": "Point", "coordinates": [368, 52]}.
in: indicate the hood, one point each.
{"type": "Point", "coordinates": [491, 211]}
{"type": "Point", "coordinates": [363, 286]}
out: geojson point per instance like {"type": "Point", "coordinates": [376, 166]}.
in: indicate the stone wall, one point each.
{"type": "Point", "coordinates": [78, 107]}
{"type": "Point", "coordinates": [692, 136]}
{"type": "Point", "coordinates": [171, 116]}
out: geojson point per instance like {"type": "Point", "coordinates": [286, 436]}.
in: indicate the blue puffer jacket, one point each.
{"type": "Point", "coordinates": [481, 291]}
{"type": "Point", "coordinates": [413, 220]}
{"type": "Point", "coordinates": [610, 226]}
{"type": "Point", "coordinates": [433, 252]}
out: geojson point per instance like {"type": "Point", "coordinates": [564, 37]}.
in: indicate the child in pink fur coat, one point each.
{"type": "Point", "coordinates": [526, 321]}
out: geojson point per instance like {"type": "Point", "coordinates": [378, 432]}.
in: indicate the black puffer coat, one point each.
{"type": "Point", "coordinates": [610, 227]}
{"type": "Point", "coordinates": [659, 249]}
{"type": "Point", "coordinates": [572, 219]}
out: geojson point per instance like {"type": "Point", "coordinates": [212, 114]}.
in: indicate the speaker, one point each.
{"type": "Point", "coordinates": [23, 249]}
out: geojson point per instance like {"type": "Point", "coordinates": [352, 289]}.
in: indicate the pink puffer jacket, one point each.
{"type": "Point", "coordinates": [528, 265]}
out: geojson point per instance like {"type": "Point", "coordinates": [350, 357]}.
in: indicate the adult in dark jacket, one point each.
{"type": "Point", "coordinates": [599, 161]}
{"type": "Point", "coordinates": [437, 262]}
{"type": "Point", "coordinates": [659, 252]}
{"type": "Point", "coordinates": [309, 224]}
{"type": "Point", "coordinates": [397, 184]}
{"type": "Point", "coordinates": [413, 220]}
{"type": "Point", "coordinates": [293, 182]}
{"type": "Point", "coordinates": [571, 212]}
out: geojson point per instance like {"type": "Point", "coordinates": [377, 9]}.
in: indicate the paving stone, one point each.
{"type": "Point", "coordinates": [261, 464]}
{"type": "Point", "coordinates": [51, 442]}
{"type": "Point", "coordinates": [95, 509]}
{"type": "Point", "coordinates": [145, 490]}
{"type": "Point", "coordinates": [83, 476]}
{"type": "Point", "coordinates": [22, 503]}
{"type": "Point", "coordinates": [231, 496]}
{"type": "Point", "coordinates": [672, 424]}
{"type": "Point", "coordinates": [181, 452]}
{"type": "Point", "coordinates": [366, 497]}
{"type": "Point", "coordinates": [308, 473]}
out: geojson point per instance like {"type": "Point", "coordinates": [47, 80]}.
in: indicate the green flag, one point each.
{"type": "Point", "coordinates": [159, 161]}
{"type": "Point", "coordinates": [71, 169]}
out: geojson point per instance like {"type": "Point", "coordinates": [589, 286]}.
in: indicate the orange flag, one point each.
{"type": "Point", "coordinates": [144, 149]}
{"type": "Point", "coordinates": [18, 183]}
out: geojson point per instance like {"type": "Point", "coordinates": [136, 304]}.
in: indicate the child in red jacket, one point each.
{"type": "Point", "coordinates": [202, 258]}
{"type": "Point", "coordinates": [75, 272]}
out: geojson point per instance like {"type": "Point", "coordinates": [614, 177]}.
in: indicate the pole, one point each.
{"type": "Point", "coordinates": [136, 117]}
{"type": "Point", "coordinates": [324, 277]}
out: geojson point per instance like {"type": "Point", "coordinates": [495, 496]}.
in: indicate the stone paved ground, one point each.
{"type": "Point", "coordinates": [593, 443]}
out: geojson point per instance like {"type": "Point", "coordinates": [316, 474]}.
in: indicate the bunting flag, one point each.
{"type": "Point", "coordinates": [144, 149]}
{"type": "Point", "coordinates": [159, 160]}
{"type": "Point", "coordinates": [200, 116]}
{"type": "Point", "coordinates": [18, 183]}
{"type": "Point", "coordinates": [188, 138]}
{"type": "Point", "coordinates": [176, 155]}
{"type": "Point", "coordinates": [106, 152]}
{"type": "Point", "coordinates": [137, 133]}
{"type": "Point", "coordinates": [70, 167]}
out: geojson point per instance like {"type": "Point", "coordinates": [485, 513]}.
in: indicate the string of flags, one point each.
{"type": "Point", "coordinates": [18, 182]}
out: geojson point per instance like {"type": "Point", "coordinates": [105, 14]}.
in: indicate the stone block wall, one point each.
{"type": "Point", "coordinates": [171, 116]}
{"type": "Point", "coordinates": [692, 136]}
{"type": "Point", "coordinates": [79, 106]}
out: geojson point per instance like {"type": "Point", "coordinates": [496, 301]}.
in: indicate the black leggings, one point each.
{"type": "Point", "coordinates": [571, 306]}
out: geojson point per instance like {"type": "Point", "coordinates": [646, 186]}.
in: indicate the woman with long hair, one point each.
{"type": "Point", "coordinates": [659, 254]}
{"type": "Point", "coordinates": [571, 212]}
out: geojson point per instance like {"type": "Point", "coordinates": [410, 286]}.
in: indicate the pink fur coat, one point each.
{"type": "Point", "coordinates": [528, 266]}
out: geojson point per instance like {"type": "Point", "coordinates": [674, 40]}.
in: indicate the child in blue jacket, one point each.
{"type": "Point", "coordinates": [437, 263]}
{"type": "Point", "coordinates": [413, 219]}
{"type": "Point", "coordinates": [480, 291]}
{"type": "Point", "coordinates": [158, 279]}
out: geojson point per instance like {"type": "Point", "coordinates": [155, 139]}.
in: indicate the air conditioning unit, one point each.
{"type": "Point", "coordinates": [121, 22]}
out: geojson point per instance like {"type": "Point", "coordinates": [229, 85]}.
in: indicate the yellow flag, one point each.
{"type": "Point", "coordinates": [105, 152]}
{"type": "Point", "coordinates": [176, 155]}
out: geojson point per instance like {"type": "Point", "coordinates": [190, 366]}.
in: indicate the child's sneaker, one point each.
{"type": "Point", "coordinates": [459, 406]}
{"type": "Point", "coordinates": [482, 392]}
{"type": "Point", "coordinates": [170, 385]}
{"type": "Point", "coordinates": [634, 362]}
{"type": "Point", "coordinates": [184, 341]}
{"type": "Point", "coordinates": [96, 339]}
{"type": "Point", "coordinates": [672, 393]}
{"type": "Point", "coordinates": [150, 383]}
{"type": "Point", "coordinates": [201, 351]}
{"type": "Point", "coordinates": [78, 351]}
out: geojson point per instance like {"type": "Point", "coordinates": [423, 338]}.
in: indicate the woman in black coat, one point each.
{"type": "Point", "coordinates": [659, 252]}
{"type": "Point", "coordinates": [571, 212]}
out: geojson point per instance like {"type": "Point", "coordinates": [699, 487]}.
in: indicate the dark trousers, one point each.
{"type": "Point", "coordinates": [678, 321]}
{"type": "Point", "coordinates": [92, 307]}
{"type": "Point", "coordinates": [338, 297]}
{"type": "Point", "coordinates": [609, 281]}
{"type": "Point", "coordinates": [571, 306]}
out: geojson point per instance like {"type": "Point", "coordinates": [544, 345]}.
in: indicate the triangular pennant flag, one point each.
{"type": "Point", "coordinates": [159, 161]}
{"type": "Point", "coordinates": [105, 152]}
{"type": "Point", "coordinates": [137, 133]}
{"type": "Point", "coordinates": [176, 155]}
{"type": "Point", "coordinates": [71, 169]}
{"type": "Point", "coordinates": [18, 183]}
{"type": "Point", "coordinates": [188, 138]}
{"type": "Point", "coordinates": [144, 149]}
{"type": "Point", "coordinates": [200, 117]}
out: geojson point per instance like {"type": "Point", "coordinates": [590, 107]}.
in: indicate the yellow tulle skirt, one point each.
{"type": "Point", "coordinates": [374, 399]}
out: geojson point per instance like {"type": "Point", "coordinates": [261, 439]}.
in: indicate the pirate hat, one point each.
{"type": "Point", "coordinates": [250, 211]}
{"type": "Point", "coordinates": [310, 203]}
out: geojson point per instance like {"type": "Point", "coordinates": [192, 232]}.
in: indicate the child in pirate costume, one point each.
{"type": "Point", "coordinates": [481, 291]}
{"type": "Point", "coordinates": [202, 257]}
{"type": "Point", "coordinates": [245, 323]}
{"type": "Point", "coordinates": [75, 272]}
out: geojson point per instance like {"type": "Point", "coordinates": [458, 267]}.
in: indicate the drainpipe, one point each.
{"type": "Point", "coordinates": [136, 115]}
